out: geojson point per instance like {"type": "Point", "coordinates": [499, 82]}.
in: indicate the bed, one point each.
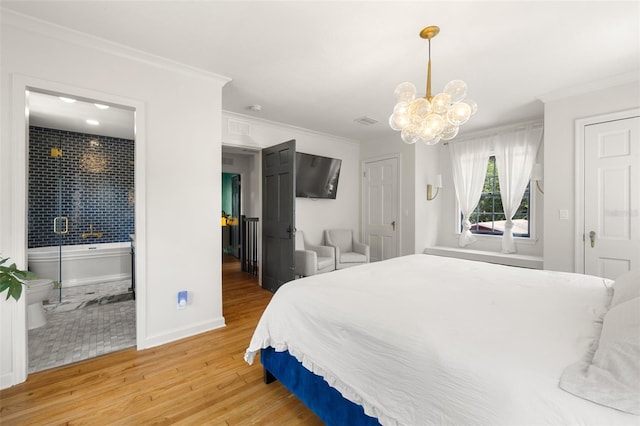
{"type": "Point", "coordinates": [424, 339]}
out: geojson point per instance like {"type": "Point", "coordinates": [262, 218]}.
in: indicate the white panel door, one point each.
{"type": "Point", "coordinates": [381, 207]}
{"type": "Point", "coordinates": [612, 197]}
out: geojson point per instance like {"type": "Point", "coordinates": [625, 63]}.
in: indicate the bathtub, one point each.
{"type": "Point", "coordinates": [83, 264]}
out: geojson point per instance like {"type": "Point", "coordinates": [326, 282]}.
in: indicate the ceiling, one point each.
{"type": "Point", "coordinates": [322, 64]}
{"type": "Point", "coordinates": [54, 112]}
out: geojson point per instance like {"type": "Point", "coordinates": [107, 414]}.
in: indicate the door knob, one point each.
{"type": "Point", "coordinates": [592, 238]}
{"type": "Point", "coordinates": [393, 224]}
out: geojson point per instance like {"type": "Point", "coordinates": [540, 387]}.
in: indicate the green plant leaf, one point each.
{"type": "Point", "coordinates": [12, 279]}
{"type": "Point", "coordinates": [16, 291]}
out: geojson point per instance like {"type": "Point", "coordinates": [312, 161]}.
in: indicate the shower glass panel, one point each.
{"type": "Point", "coordinates": [81, 204]}
{"type": "Point", "coordinates": [60, 221]}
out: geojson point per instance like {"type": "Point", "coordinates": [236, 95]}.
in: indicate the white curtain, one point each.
{"type": "Point", "coordinates": [515, 153]}
{"type": "Point", "coordinates": [469, 165]}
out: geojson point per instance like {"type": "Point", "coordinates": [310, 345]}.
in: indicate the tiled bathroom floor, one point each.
{"type": "Point", "coordinates": [84, 295]}
{"type": "Point", "coordinates": [83, 326]}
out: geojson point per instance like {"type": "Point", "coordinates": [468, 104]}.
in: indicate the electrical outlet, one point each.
{"type": "Point", "coordinates": [182, 299]}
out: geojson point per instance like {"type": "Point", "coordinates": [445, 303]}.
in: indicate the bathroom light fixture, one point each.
{"type": "Point", "coordinates": [93, 122]}
{"type": "Point", "coordinates": [67, 100]}
{"type": "Point", "coordinates": [437, 183]}
{"type": "Point", "coordinates": [432, 118]}
{"type": "Point", "coordinates": [102, 106]}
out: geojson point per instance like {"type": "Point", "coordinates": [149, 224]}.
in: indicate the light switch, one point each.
{"type": "Point", "coordinates": [564, 214]}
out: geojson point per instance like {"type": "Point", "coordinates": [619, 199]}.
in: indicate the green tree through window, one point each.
{"type": "Point", "coordinates": [488, 216]}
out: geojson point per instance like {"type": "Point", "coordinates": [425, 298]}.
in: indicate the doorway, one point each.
{"type": "Point", "coordinates": [81, 225]}
{"type": "Point", "coordinates": [231, 208]}
{"type": "Point", "coordinates": [380, 207]}
{"type": "Point", "coordinates": [243, 204]}
{"type": "Point", "coordinates": [608, 194]}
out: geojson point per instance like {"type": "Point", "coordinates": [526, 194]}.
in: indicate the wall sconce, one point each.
{"type": "Point", "coordinates": [536, 175]}
{"type": "Point", "coordinates": [436, 184]}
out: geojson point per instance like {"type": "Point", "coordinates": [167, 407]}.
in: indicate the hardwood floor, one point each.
{"type": "Point", "coordinates": [201, 380]}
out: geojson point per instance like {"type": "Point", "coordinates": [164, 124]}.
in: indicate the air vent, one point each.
{"type": "Point", "coordinates": [236, 127]}
{"type": "Point", "coordinates": [366, 121]}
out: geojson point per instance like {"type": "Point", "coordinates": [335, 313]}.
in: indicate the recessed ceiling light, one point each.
{"type": "Point", "coordinates": [101, 106]}
{"type": "Point", "coordinates": [67, 100]}
{"type": "Point", "coordinates": [93, 122]}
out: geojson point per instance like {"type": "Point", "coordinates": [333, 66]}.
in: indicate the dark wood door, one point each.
{"type": "Point", "coordinates": [278, 212]}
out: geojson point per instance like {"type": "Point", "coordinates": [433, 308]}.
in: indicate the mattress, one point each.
{"type": "Point", "coordinates": [424, 339]}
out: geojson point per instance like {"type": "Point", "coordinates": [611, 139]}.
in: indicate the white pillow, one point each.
{"type": "Point", "coordinates": [626, 287]}
{"type": "Point", "coordinates": [612, 377]}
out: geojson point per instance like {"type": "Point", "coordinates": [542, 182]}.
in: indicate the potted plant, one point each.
{"type": "Point", "coordinates": [12, 279]}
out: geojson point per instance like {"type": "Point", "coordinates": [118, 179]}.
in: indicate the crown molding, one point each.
{"type": "Point", "coordinates": [277, 125]}
{"type": "Point", "coordinates": [58, 32]}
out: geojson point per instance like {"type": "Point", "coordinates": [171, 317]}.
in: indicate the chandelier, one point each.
{"type": "Point", "coordinates": [432, 118]}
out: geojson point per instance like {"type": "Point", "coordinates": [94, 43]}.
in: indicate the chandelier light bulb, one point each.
{"type": "Point", "coordinates": [449, 132]}
{"type": "Point", "coordinates": [457, 90]}
{"type": "Point", "coordinates": [473, 105]}
{"type": "Point", "coordinates": [420, 108]}
{"type": "Point", "coordinates": [432, 118]}
{"type": "Point", "coordinates": [405, 92]}
{"type": "Point", "coordinates": [440, 103]}
{"type": "Point", "coordinates": [459, 114]}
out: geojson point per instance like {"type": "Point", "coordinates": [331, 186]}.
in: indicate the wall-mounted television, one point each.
{"type": "Point", "coordinates": [317, 176]}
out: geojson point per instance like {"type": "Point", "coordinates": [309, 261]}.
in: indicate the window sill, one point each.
{"type": "Point", "coordinates": [511, 259]}
{"type": "Point", "coordinates": [530, 240]}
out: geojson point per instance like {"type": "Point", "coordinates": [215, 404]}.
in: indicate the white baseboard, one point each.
{"type": "Point", "coordinates": [177, 334]}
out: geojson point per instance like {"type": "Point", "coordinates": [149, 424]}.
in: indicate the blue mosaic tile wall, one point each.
{"type": "Point", "coordinates": [91, 184]}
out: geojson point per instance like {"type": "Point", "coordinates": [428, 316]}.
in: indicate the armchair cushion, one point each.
{"type": "Point", "coordinates": [353, 257]}
{"type": "Point", "coordinates": [312, 259]}
{"type": "Point", "coordinates": [348, 251]}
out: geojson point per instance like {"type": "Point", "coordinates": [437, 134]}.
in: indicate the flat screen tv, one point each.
{"type": "Point", "coordinates": [316, 176]}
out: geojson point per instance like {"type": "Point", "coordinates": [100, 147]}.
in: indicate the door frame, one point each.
{"type": "Point", "coordinates": [19, 160]}
{"type": "Point", "coordinates": [398, 158]}
{"type": "Point", "coordinates": [580, 124]}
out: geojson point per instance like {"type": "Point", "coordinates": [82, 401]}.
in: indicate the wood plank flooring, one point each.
{"type": "Point", "coordinates": [201, 380]}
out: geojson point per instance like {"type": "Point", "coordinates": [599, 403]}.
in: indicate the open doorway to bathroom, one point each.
{"type": "Point", "coordinates": [81, 228]}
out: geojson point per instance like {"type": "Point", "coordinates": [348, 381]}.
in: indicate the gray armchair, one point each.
{"type": "Point", "coordinates": [349, 252]}
{"type": "Point", "coordinates": [312, 259]}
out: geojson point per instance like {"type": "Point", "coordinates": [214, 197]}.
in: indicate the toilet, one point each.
{"type": "Point", "coordinates": [37, 291]}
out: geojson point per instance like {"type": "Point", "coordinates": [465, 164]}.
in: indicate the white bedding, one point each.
{"type": "Point", "coordinates": [423, 339]}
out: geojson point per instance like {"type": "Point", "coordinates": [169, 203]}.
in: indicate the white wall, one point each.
{"type": "Point", "coordinates": [181, 156]}
{"type": "Point", "coordinates": [312, 216]}
{"type": "Point", "coordinates": [419, 218]}
{"type": "Point", "coordinates": [427, 216]}
{"type": "Point", "coordinates": [559, 169]}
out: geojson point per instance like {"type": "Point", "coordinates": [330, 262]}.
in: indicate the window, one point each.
{"type": "Point", "coordinates": [488, 216]}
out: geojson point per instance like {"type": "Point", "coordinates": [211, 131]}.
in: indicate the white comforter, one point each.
{"type": "Point", "coordinates": [422, 340]}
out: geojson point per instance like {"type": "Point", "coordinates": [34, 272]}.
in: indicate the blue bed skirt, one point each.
{"type": "Point", "coordinates": [326, 402]}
